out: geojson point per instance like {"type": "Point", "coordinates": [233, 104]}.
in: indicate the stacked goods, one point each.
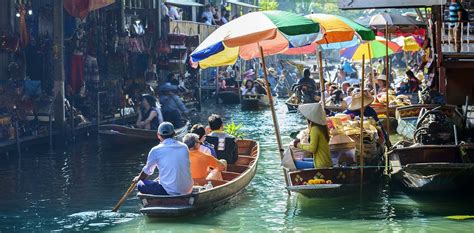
{"type": "Point", "coordinates": [380, 103]}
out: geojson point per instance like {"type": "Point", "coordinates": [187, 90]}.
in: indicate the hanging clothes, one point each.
{"type": "Point", "coordinates": [24, 34]}
{"type": "Point", "coordinates": [77, 72]}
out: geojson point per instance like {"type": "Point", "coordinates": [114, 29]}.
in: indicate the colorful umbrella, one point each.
{"type": "Point", "coordinates": [371, 49]}
{"type": "Point", "coordinates": [274, 31]}
{"type": "Point", "coordinates": [397, 24]}
{"type": "Point", "coordinates": [408, 44]}
{"type": "Point", "coordinates": [339, 32]}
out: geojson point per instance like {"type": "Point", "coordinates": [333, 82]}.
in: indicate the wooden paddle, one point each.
{"type": "Point", "coordinates": [125, 195]}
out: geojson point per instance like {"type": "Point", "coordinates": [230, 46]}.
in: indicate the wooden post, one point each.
{"type": "Point", "coordinates": [321, 79]}
{"type": "Point", "coordinates": [274, 116]}
{"type": "Point", "coordinates": [372, 70]}
{"type": "Point", "coordinates": [387, 73]}
{"type": "Point", "coordinates": [362, 109]}
{"type": "Point", "coordinates": [58, 61]}
{"type": "Point", "coordinates": [217, 85]}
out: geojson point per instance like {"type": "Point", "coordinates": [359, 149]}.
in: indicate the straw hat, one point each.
{"type": "Point", "coordinates": [382, 77]}
{"type": "Point", "coordinates": [341, 142]}
{"type": "Point", "coordinates": [356, 103]}
{"type": "Point", "coordinates": [313, 112]}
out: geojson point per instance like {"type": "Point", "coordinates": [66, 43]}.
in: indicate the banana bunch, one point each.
{"type": "Point", "coordinates": [318, 181]}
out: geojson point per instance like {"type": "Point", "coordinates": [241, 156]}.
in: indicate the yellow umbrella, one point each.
{"type": "Point", "coordinates": [408, 43]}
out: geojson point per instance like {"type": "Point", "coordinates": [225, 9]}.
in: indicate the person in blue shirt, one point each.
{"type": "Point", "coordinates": [172, 107]}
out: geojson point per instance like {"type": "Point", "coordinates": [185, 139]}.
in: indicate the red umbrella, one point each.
{"type": "Point", "coordinates": [81, 8]}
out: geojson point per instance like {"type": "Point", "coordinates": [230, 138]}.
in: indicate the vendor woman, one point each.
{"type": "Point", "coordinates": [149, 115]}
{"type": "Point", "coordinates": [318, 135]}
{"type": "Point", "coordinates": [354, 109]}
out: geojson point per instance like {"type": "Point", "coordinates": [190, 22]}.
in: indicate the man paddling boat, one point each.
{"type": "Point", "coordinates": [171, 157]}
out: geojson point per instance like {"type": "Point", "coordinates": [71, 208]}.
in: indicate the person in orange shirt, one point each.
{"type": "Point", "coordinates": [203, 166]}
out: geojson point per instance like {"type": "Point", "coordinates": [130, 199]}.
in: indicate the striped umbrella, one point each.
{"type": "Point", "coordinates": [371, 49]}
{"type": "Point", "coordinates": [339, 32]}
{"type": "Point", "coordinates": [274, 31]}
{"type": "Point", "coordinates": [408, 43]}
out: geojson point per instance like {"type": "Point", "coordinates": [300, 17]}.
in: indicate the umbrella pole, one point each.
{"type": "Point", "coordinates": [372, 79]}
{"type": "Point", "coordinates": [321, 79]}
{"type": "Point", "coordinates": [387, 73]}
{"type": "Point", "coordinates": [274, 116]}
{"type": "Point", "coordinates": [361, 154]}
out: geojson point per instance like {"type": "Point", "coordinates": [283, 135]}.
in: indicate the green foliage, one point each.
{"type": "Point", "coordinates": [268, 5]}
{"type": "Point", "coordinates": [234, 130]}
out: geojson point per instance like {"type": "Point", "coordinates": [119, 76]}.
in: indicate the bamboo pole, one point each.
{"type": "Point", "coordinates": [361, 154]}
{"type": "Point", "coordinates": [387, 73]}
{"type": "Point", "coordinates": [274, 116]}
{"type": "Point", "coordinates": [372, 70]}
{"type": "Point", "coordinates": [321, 79]}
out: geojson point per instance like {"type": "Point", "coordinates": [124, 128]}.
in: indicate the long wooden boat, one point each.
{"type": "Point", "coordinates": [407, 117]}
{"type": "Point", "coordinates": [345, 181]}
{"type": "Point", "coordinates": [120, 134]}
{"type": "Point", "coordinates": [255, 102]}
{"type": "Point", "coordinates": [235, 179]}
{"type": "Point", "coordinates": [291, 106]}
{"type": "Point", "coordinates": [424, 168]}
{"type": "Point", "coordinates": [229, 96]}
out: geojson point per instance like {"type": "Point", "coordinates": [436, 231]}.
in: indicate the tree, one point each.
{"type": "Point", "coordinates": [268, 5]}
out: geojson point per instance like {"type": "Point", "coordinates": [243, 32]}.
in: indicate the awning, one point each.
{"type": "Point", "coordinates": [237, 2]}
{"type": "Point", "coordinates": [184, 2]}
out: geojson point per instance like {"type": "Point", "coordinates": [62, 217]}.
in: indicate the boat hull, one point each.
{"type": "Point", "coordinates": [291, 107]}
{"type": "Point", "coordinates": [124, 135]}
{"type": "Point", "coordinates": [433, 168]}
{"type": "Point", "coordinates": [236, 178]}
{"type": "Point", "coordinates": [254, 102]}
{"type": "Point", "coordinates": [345, 181]}
{"type": "Point", "coordinates": [229, 97]}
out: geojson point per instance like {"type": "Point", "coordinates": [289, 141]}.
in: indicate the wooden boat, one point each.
{"type": "Point", "coordinates": [424, 168]}
{"type": "Point", "coordinates": [407, 117]}
{"type": "Point", "coordinates": [255, 102]}
{"type": "Point", "coordinates": [120, 134]}
{"type": "Point", "coordinates": [229, 96]}
{"type": "Point", "coordinates": [381, 109]}
{"type": "Point", "coordinates": [345, 181]}
{"type": "Point", "coordinates": [235, 179]}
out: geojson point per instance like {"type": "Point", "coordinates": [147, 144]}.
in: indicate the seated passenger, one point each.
{"type": "Point", "coordinates": [149, 115]}
{"type": "Point", "coordinates": [205, 146]}
{"type": "Point", "coordinates": [249, 88]}
{"type": "Point", "coordinates": [171, 157]}
{"type": "Point", "coordinates": [318, 135]}
{"type": "Point", "coordinates": [224, 144]}
{"type": "Point", "coordinates": [203, 166]}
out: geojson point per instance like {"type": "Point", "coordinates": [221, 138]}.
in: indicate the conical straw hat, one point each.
{"type": "Point", "coordinates": [356, 103]}
{"type": "Point", "coordinates": [313, 112]}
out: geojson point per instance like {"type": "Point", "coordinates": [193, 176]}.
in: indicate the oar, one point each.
{"type": "Point", "coordinates": [125, 195]}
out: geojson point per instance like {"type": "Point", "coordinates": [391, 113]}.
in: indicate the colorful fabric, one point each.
{"type": "Point", "coordinates": [372, 49]}
{"type": "Point", "coordinates": [274, 31]}
{"type": "Point", "coordinates": [454, 9]}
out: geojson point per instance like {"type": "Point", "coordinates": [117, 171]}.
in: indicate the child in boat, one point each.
{"type": "Point", "coordinates": [318, 135]}
{"type": "Point", "coordinates": [203, 166]}
{"type": "Point", "coordinates": [205, 146]}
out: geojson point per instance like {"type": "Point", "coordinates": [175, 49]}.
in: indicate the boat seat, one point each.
{"type": "Point", "coordinates": [215, 183]}
{"type": "Point", "coordinates": [244, 160]}
{"type": "Point", "coordinates": [237, 168]}
{"type": "Point", "coordinates": [226, 175]}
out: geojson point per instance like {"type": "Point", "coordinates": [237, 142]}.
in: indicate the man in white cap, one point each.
{"type": "Point", "coordinates": [171, 157]}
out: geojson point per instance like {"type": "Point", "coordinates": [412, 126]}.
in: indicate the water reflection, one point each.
{"type": "Point", "coordinates": [74, 189]}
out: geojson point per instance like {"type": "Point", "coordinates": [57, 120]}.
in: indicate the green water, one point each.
{"type": "Point", "coordinates": [74, 189]}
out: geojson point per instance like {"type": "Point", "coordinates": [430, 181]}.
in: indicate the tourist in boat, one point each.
{"type": "Point", "coordinates": [318, 135]}
{"type": "Point", "coordinates": [307, 87]}
{"type": "Point", "coordinates": [149, 115]}
{"type": "Point", "coordinates": [382, 83]}
{"type": "Point", "coordinates": [171, 157]}
{"type": "Point", "coordinates": [203, 166]}
{"type": "Point", "coordinates": [224, 144]}
{"type": "Point", "coordinates": [205, 147]}
{"type": "Point", "coordinates": [172, 107]}
{"type": "Point", "coordinates": [248, 88]}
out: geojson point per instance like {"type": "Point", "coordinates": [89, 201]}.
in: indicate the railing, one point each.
{"type": "Point", "coordinates": [458, 36]}
{"type": "Point", "coordinates": [192, 28]}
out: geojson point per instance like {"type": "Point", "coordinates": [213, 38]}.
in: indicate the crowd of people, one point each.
{"type": "Point", "coordinates": [202, 155]}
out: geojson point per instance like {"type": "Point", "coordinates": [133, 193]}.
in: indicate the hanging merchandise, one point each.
{"type": "Point", "coordinates": [9, 43]}
{"type": "Point", "coordinates": [192, 40]}
{"type": "Point", "coordinates": [177, 38]}
{"type": "Point", "coordinates": [24, 34]}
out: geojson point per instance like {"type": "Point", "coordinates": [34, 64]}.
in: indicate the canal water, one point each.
{"type": "Point", "coordinates": [74, 189]}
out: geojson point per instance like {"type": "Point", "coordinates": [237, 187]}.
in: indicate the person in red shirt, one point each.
{"type": "Point", "coordinates": [203, 166]}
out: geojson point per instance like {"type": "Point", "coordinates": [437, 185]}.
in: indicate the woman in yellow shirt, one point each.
{"type": "Point", "coordinates": [318, 135]}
